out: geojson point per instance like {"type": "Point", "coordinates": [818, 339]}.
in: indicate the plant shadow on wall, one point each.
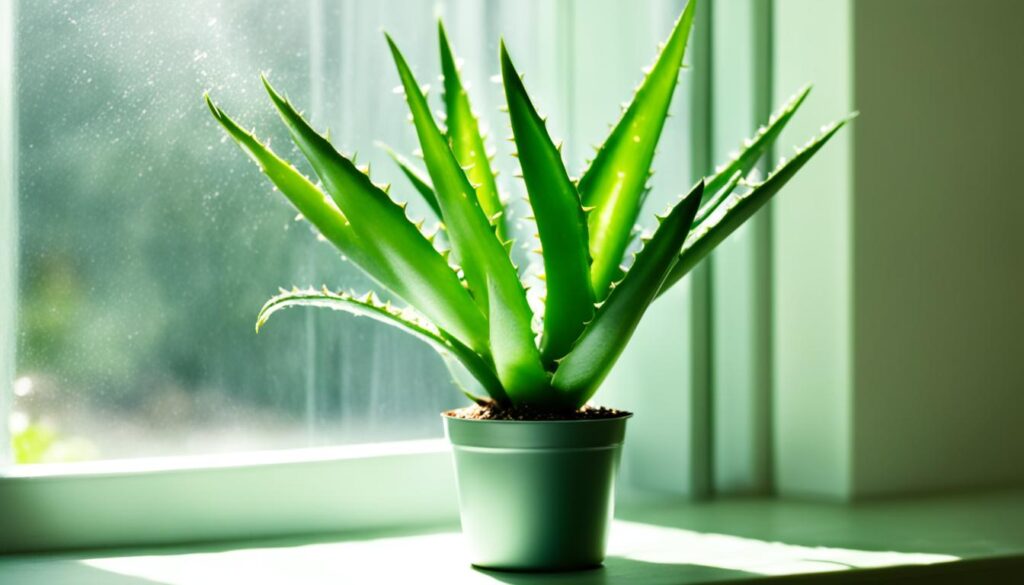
{"type": "Point", "coordinates": [536, 348]}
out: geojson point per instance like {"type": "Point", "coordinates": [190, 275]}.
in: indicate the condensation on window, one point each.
{"type": "Point", "coordinates": [148, 242]}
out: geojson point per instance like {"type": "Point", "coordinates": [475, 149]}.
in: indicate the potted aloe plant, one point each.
{"type": "Point", "coordinates": [535, 463]}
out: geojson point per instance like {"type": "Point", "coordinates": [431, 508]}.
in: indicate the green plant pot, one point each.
{"type": "Point", "coordinates": [536, 495]}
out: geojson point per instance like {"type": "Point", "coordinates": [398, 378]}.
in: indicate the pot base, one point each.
{"type": "Point", "coordinates": [573, 569]}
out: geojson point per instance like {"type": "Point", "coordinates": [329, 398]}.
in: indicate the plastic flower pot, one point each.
{"type": "Point", "coordinates": [536, 495]}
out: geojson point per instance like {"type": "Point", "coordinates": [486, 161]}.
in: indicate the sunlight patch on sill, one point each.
{"type": "Point", "coordinates": [663, 545]}
{"type": "Point", "coordinates": [408, 559]}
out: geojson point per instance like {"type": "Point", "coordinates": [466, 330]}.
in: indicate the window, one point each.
{"type": "Point", "coordinates": [145, 243]}
{"type": "Point", "coordinates": [136, 246]}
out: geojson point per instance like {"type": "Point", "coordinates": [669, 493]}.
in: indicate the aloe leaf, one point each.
{"type": "Point", "coordinates": [614, 183]}
{"type": "Point", "coordinates": [463, 130]}
{"type": "Point", "coordinates": [484, 260]}
{"type": "Point", "coordinates": [754, 148]}
{"type": "Point", "coordinates": [405, 319]}
{"type": "Point", "coordinates": [582, 371]}
{"type": "Point", "coordinates": [706, 209]}
{"type": "Point", "coordinates": [515, 356]}
{"type": "Point", "coordinates": [419, 179]}
{"type": "Point", "coordinates": [467, 383]}
{"type": "Point", "coordinates": [305, 196]}
{"type": "Point", "coordinates": [561, 223]}
{"type": "Point", "coordinates": [425, 279]}
{"type": "Point", "coordinates": [739, 207]}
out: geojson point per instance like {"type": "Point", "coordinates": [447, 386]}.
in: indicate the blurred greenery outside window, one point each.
{"type": "Point", "coordinates": [145, 243]}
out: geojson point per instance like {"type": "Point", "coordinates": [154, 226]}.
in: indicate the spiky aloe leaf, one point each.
{"type": "Point", "coordinates": [405, 319]}
{"type": "Point", "coordinates": [467, 142]}
{"type": "Point", "coordinates": [561, 223]}
{"type": "Point", "coordinates": [489, 272]}
{"type": "Point", "coordinates": [580, 373]}
{"type": "Point", "coordinates": [467, 382]}
{"type": "Point", "coordinates": [426, 281]}
{"type": "Point", "coordinates": [706, 209]}
{"type": "Point", "coordinates": [306, 197]}
{"type": "Point", "coordinates": [754, 148]}
{"type": "Point", "coordinates": [739, 207]}
{"type": "Point", "coordinates": [419, 179]}
{"type": "Point", "coordinates": [615, 181]}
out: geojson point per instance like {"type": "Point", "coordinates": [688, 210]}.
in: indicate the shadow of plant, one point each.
{"type": "Point", "coordinates": [622, 570]}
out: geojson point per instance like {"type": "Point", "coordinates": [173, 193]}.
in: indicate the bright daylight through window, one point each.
{"type": "Point", "coordinates": [146, 248]}
{"type": "Point", "coordinates": [145, 245]}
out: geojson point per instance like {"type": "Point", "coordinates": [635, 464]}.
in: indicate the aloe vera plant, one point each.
{"type": "Point", "coordinates": [468, 301]}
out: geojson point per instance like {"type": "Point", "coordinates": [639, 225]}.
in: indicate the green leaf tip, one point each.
{"type": "Point", "coordinates": [615, 181]}
{"type": "Point", "coordinates": [755, 148]}
{"type": "Point", "coordinates": [735, 209]}
{"type": "Point", "coordinates": [466, 138]}
{"type": "Point", "coordinates": [418, 178]}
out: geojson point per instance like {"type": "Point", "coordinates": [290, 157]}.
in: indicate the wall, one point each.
{"type": "Point", "coordinates": [939, 245]}
{"type": "Point", "coordinates": [898, 278]}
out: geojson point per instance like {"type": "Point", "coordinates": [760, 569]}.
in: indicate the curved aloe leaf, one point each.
{"type": "Point", "coordinates": [706, 209]}
{"type": "Point", "coordinates": [426, 281]}
{"type": "Point", "coordinates": [466, 140]}
{"type": "Point", "coordinates": [753, 149]}
{"type": "Point", "coordinates": [561, 223]}
{"type": "Point", "coordinates": [467, 382]}
{"type": "Point", "coordinates": [615, 182]}
{"type": "Point", "coordinates": [492, 278]}
{"type": "Point", "coordinates": [405, 319]}
{"type": "Point", "coordinates": [419, 179]}
{"type": "Point", "coordinates": [307, 198]}
{"type": "Point", "coordinates": [738, 207]}
{"type": "Point", "coordinates": [580, 373]}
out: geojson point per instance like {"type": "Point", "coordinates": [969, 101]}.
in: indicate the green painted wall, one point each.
{"type": "Point", "coordinates": [898, 254]}
{"type": "Point", "coordinates": [939, 245]}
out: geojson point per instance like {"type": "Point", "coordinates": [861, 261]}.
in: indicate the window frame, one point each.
{"type": "Point", "coordinates": [8, 221]}
{"type": "Point", "coordinates": [144, 502]}
{"type": "Point", "coordinates": [741, 284]}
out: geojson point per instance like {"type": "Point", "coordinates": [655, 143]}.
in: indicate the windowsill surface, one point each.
{"type": "Point", "coordinates": [971, 538]}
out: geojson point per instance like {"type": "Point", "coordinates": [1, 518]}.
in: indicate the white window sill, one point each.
{"type": "Point", "coordinates": [219, 498]}
{"type": "Point", "coordinates": [971, 538]}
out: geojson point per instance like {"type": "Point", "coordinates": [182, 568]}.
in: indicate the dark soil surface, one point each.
{"type": "Point", "coordinates": [496, 412]}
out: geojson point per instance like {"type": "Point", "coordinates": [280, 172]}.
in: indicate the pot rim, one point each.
{"type": "Point", "coordinates": [622, 416]}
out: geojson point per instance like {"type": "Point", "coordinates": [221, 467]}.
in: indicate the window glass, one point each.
{"type": "Point", "coordinates": [147, 242]}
